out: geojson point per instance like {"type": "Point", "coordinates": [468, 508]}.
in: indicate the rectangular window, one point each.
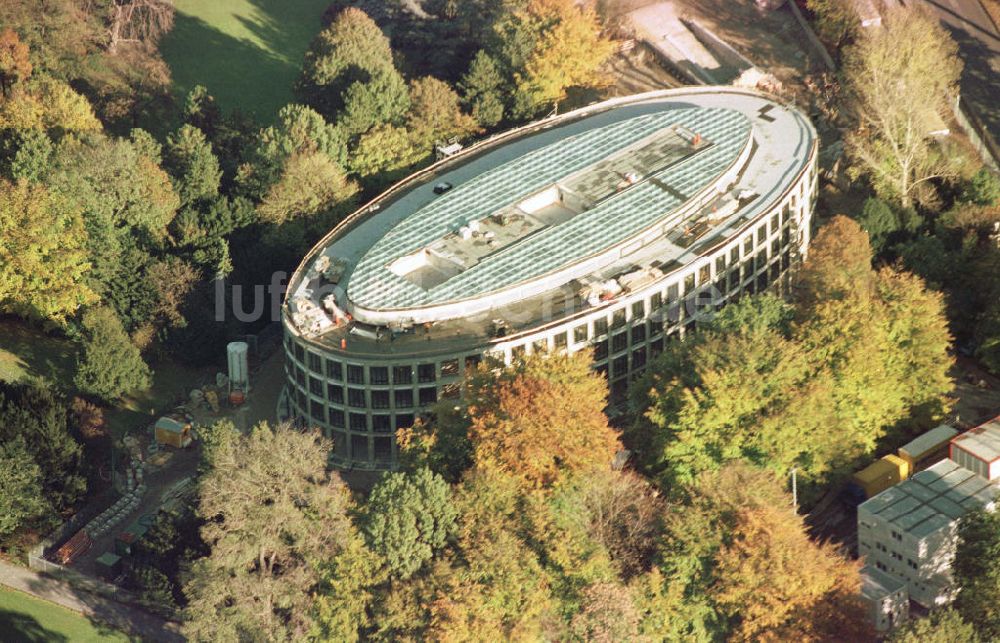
{"type": "Point", "coordinates": [774, 222]}
{"type": "Point", "coordinates": [472, 362]}
{"type": "Point", "coordinates": [539, 346]}
{"type": "Point", "coordinates": [379, 374]}
{"type": "Point", "coordinates": [748, 246]}
{"type": "Point", "coordinates": [334, 370]}
{"type": "Point", "coordinates": [317, 411]}
{"type": "Point", "coordinates": [337, 418]}
{"type": "Point", "coordinates": [656, 347]}
{"type": "Point", "coordinates": [404, 398]}
{"type": "Point", "coordinates": [619, 367]}
{"type": "Point", "coordinates": [638, 310]}
{"type": "Point", "coordinates": [451, 390]}
{"type": "Point", "coordinates": [316, 386]}
{"type": "Point", "coordinates": [655, 301]}
{"type": "Point", "coordinates": [638, 358]}
{"type": "Point", "coordinates": [315, 363]}
{"type": "Point", "coordinates": [380, 399]}
{"type": "Point", "coordinates": [402, 374]}
{"type": "Point", "coordinates": [335, 393]}
{"type": "Point", "coordinates": [381, 423]}
{"type": "Point", "coordinates": [300, 376]}
{"type": "Point", "coordinates": [359, 447]}
{"type": "Point", "coordinates": [517, 352]}
{"type": "Point", "coordinates": [426, 373]}
{"type": "Point", "coordinates": [618, 318]}
{"type": "Point", "coordinates": [356, 398]}
{"type": "Point", "coordinates": [300, 353]}
{"type": "Point", "coordinates": [673, 293]}
{"type": "Point", "coordinates": [688, 283]}
{"type": "Point", "coordinates": [600, 327]}
{"type": "Point", "coordinates": [775, 247]}
{"type": "Point", "coordinates": [404, 420]}
{"type": "Point", "coordinates": [720, 264]}
{"type": "Point", "coordinates": [428, 395]}
{"type": "Point", "coordinates": [601, 350]}
{"type": "Point", "coordinates": [559, 340]}
{"type": "Point", "coordinates": [704, 275]}
{"type": "Point", "coordinates": [619, 342]}
{"type": "Point", "coordinates": [383, 450]}
{"type": "Point", "coordinates": [359, 421]}
{"type": "Point", "coordinates": [638, 334]}
{"type": "Point", "coordinates": [580, 333]}
{"type": "Point", "coordinates": [355, 374]}
{"type": "Point", "coordinates": [449, 368]}
{"type": "Point", "coordinates": [761, 235]}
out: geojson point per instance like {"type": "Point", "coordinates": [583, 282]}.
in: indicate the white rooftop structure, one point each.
{"type": "Point", "coordinates": [978, 449]}
{"type": "Point", "coordinates": [886, 596]}
{"type": "Point", "coordinates": [909, 530]}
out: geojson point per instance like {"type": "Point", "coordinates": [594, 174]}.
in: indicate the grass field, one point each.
{"type": "Point", "coordinates": [28, 619]}
{"type": "Point", "coordinates": [29, 354]}
{"type": "Point", "coordinates": [246, 52]}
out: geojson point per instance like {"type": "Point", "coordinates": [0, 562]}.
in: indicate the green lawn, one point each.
{"type": "Point", "coordinates": [247, 52]}
{"type": "Point", "coordinates": [29, 354]}
{"type": "Point", "coordinates": [28, 619]}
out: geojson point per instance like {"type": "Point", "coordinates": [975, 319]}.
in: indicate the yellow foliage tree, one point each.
{"type": "Point", "coordinates": [43, 260]}
{"type": "Point", "coordinates": [48, 103]}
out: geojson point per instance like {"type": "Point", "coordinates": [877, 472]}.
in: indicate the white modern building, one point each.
{"type": "Point", "coordinates": [617, 227]}
{"type": "Point", "coordinates": [910, 530]}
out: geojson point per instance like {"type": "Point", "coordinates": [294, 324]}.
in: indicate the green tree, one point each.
{"type": "Point", "coordinates": [38, 418]}
{"type": "Point", "coordinates": [483, 90]}
{"type": "Point", "coordinates": [409, 517]}
{"type": "Point", "coordinates": [941, 626]}
{"type": "Point", "coordinates": [836, 20]}
{"type": "Point", "coordinates": [983, 188]}
{"type": "Point", "coordinates": [903, 78]}
{"type": "Point", "coordinates": [192, 165]}
{"type": "Point", "coordinates": [110, 364]}
{"type": "Point", "coordinates": [383, 98]}
{"type": "Point", "coordinates": [384, 153]}
{"type": "Point", "coordinates": [310, 185]}
{"type": "Point", "coordinates": [43, 264]}
{"type": "Point", "coordinates": [274, 515]}
{"type": "Point", "coordinates": [25, 154]}
{"type": "Point", "coordinates": [977, 573]}
{"type": "Point", "coordinates": [201, 111]}
{"type": "Point", "coordinates": [22, 499]}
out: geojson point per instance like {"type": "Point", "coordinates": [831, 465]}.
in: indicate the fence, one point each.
{"type": "Point", "coordinates": [979, 136]}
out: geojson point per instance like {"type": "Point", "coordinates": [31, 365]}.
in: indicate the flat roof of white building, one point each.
{"type": "Point", "coordinates": [932, 499]}
{"type": "Point", "coordinates": [647, 183]}
{"type": "Point", "coordinates": [876, 584]}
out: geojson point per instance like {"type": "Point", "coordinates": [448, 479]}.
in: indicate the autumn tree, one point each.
{"type": "Point", "coordinates": [15, 65]}
{"type": "Point", "coordinates": [435, 113]}
{"type": "Point", "coordinates": [309, 185]}
{"type": "Point", "coordinates": [409, 517]}
{"type": "Point", "coordinates": [548, 46]}
{"type": "Point", "coordinates": [903, 78]}
{"type": "Point", "coordinates": [43, 261]}
{"type": "Point", "coordinates": [836, 20]}
{"type": "Point", "coordinates": [540, 418]}
{"type": "Point", "coordinates": [48, 103]}
{"type": "Point", "coordinates": [110, 365]}
{"type": "Point", "coordinates": [274, 515]}
{"type": "Point", "coordinates": [748, 568]}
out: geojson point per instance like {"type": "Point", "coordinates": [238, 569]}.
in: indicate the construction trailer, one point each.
{"type": "Point", "coordinates": [172, 431]}
{"type": "Point", "coordinates": [128, 538]}
{"type": "Point", "coordinates": [880, 475]}
{"type": "Point", "coordinates": [886, 597]}
{"type": "Point", "coordinates": [927, 448]}
{"type": "Point", "coordinates": [109, 566]}
{"type": "Point", "coordinates": [978, 450]}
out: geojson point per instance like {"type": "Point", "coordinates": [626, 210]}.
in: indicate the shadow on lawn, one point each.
{"type": "Point", "coordinates": [21, 627]}
{"type": "Point", "coordinates": [237, 72]}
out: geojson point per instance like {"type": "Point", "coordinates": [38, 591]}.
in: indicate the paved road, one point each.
{"type": "Point", "coordinates": [979, 45]}
{"type": "Point", "coordinates": [121, 617]}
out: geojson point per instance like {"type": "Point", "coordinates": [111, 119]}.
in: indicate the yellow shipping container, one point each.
{"type": "Point", "coordinates": [882, 474]}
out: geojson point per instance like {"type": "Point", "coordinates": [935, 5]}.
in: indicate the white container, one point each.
{"type": "Point", "coordinates": [239, 376]}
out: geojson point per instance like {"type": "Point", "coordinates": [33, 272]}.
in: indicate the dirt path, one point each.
{"type": "Point", "coordinates": [113, 614]}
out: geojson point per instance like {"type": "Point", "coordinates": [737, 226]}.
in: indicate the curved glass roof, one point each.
{"type": "Point", "coordinates": [378, 284]}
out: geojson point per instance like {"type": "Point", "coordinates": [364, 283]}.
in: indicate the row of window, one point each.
{"type": "Point", "coordinates": [378, 375]}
